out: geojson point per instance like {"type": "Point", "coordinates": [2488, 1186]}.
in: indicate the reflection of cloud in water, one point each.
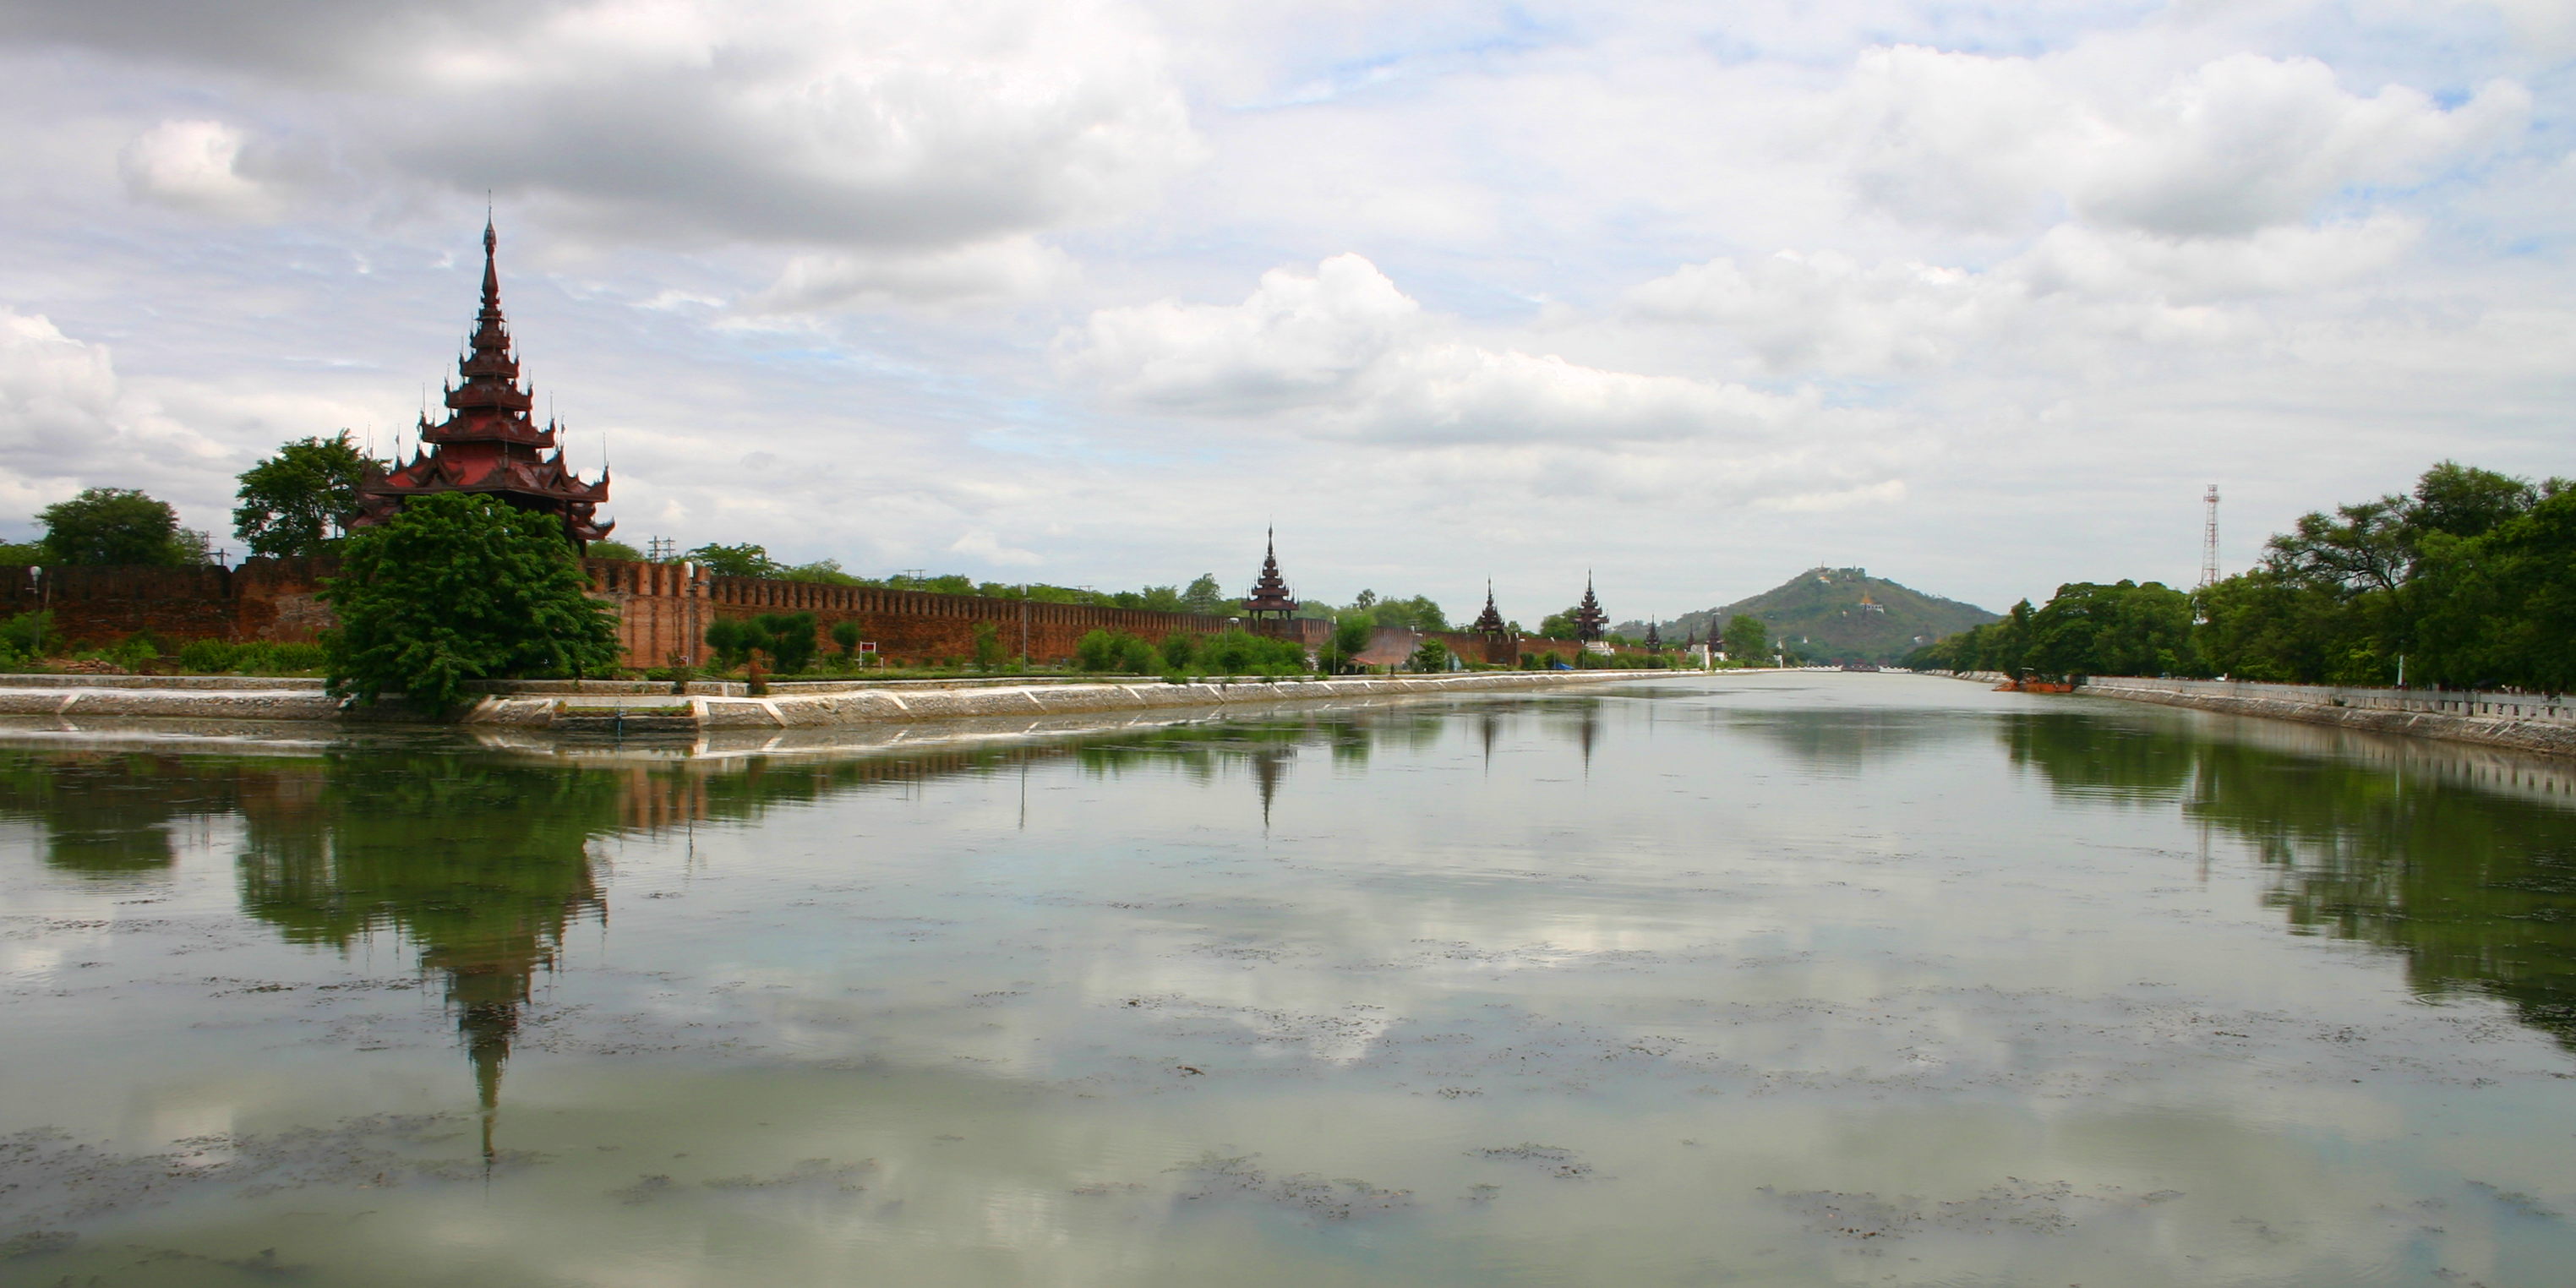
{"type": "Point", "coordinates": [1845, 740]}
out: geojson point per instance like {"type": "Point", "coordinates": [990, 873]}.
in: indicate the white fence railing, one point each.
{"type": "Point", "coordinates": [2556, 708]}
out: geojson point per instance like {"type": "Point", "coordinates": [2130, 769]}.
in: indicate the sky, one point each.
{"type": "Point", "coordinates": [1687, 297]}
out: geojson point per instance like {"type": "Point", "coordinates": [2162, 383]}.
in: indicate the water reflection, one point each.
{"type": "Point", "coordinates": [482, 863]}
{"type": "Point", "coordinates": [113, 814]}
{"type": "Point", "coordinates": [2463, 860]}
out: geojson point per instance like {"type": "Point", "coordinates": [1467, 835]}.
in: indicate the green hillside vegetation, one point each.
{"type": "Point", "coordinates": [1837, 615]}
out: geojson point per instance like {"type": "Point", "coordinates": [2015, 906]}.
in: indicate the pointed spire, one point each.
{"type": "Point", "coordinates": [1490, 621]}
{"type": "Point", "coordinates": [1269, 596]}
{"type": "Point", "coordinates": [491, 273]}
{"type": "Point", "coordinates": [1588, 617]}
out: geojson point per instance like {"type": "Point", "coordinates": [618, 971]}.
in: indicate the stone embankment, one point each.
{"type": "Point", "coordinates": [2519, 721]}
{"type": "Point", "coordinates": [636, 708]}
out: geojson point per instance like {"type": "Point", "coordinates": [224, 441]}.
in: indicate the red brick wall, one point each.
{"type": "Point", "coordinates": [663, 609]}
{"type": "Point", "coordinates": [919, 626]}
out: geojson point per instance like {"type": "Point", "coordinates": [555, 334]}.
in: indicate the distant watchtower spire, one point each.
{"type": "Point", "coordinates": [1654, 637]}
{"type": "Point", "coordinates": [1269, 596]}
{"type": "Point", "coordinates": [1490, 621]}
{"type": "Point", "coordinates": [1588, 617]}
{"type": "Point", "coordinates": [489, 443]}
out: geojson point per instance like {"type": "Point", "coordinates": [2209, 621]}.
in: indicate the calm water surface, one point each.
{"type": "Point", "coordinates": [1804, 979]}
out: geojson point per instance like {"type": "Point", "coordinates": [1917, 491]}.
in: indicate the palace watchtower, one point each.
{"type": "Point", "coordinates": [1269, 598]}
{"type": "Point", "coordinates": [489, 443]}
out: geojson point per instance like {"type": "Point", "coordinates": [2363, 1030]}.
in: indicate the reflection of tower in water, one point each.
{"type": "Point", "coordinates": [481, 867]}
{"type": "Point", "coordinates": [1269, 765]}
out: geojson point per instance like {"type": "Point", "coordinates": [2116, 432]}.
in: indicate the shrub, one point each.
{"type": "Point", "coordinates": [788, 639]}
{"type": "Point", "coordinates": [988, 646]}
{"type": "Point", "coordinates": [260, 657]}
{"type": "Point", "coordinates": [30, 634]}
{"type": "Point", "coordinates": [1432, 656]}
{"type": "Point", "coordinates": [457, 587]}
{"type": "Point", "coordinates": [846, 634]}
{"type": "Point", "coordinates": [1116, 651]}
{"type": "Point", "coordinates": [1180, 648]}
{"type": "Point", "coordinates": [731, 641]}
{"type": "Point", "coordinates": [208, 656]}
{"type": "Point", "coordinates": [135, 650]}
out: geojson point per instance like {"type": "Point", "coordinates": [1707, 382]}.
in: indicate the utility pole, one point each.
{"type": "Point", "coordinates": [2209, 539]}
{"type": "Point", "coordinates": [660, 549]}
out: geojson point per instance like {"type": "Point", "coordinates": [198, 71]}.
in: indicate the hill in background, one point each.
{"type": "Point", "coordinates": [1837, 615]}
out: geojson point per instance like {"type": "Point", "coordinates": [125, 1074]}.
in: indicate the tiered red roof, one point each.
{"type": "Point", "coordinates": [1269, 596]}
{"type": "Point", "coordinates": [1588, 617]}
{"type": "Point", "coordinates": [488, 443]}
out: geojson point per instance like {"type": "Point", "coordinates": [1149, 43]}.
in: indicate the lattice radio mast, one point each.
{"type": "Point", "coordinates": [2209, 538]}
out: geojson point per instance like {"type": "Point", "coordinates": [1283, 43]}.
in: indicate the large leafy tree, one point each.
{"type": "Point", "coordinates": [1204, 595]}
{"type": "Point", "coordinates": [1747, 639]}
{"type": "Point", "coordinates": [108, 525]}
{"type": "Point", "coordinates": [2120, 629]}
{"type": "Point", "coordinates": [738, 561]}
{"type": "Point", "coordinates": [300, 501]}
{"type": "Point", "coordinates": [458, 587]}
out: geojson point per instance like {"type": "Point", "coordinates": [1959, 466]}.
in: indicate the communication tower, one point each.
{"type": "Point", "coordinates": [661, 550]}
{"type": "Point", "coordinates": [2209, 537]}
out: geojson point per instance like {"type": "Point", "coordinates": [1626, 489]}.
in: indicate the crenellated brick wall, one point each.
{"type": "Point", "coordinates": [663, 610]}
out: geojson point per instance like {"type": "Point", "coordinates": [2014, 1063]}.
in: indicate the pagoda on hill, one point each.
{"type": "Point", "coordinates": [1588, 617]}
{"type": "Point", "coordinates": [488, 443]}
{"type": "Point", "coordinates": [1269, 596]}
{"type": "Point", "coordinates": [1490, 621]}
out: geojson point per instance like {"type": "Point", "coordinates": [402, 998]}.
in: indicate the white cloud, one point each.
{"type": "Point", "coordinates": [67, 421]}
{"type": "Point", "coordinates": [1007, 269]}
{"type": "Point", "coordinates": [2247, 143]}
{"type": "Point", "coordinates": [1356, 358]}
{"type": "Point", "coordinates": [1829, 312]}
{"type": "Point", "coordinates": [194, 165]}
{"type": "Point", "coordinates": [2236, 145]}
{"type": "Point", "coordinates": [875, 123]}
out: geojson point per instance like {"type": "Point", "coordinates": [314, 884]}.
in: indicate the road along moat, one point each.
{"type": "Point", "coordinates": [1772, 980]}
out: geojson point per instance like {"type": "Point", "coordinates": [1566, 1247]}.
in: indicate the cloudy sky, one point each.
{"type": "Point", "coordinates": [1978, 296]}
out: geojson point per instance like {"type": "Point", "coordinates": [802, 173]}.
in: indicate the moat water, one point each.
{"type": "Point", "coordinates": [1800, 979]}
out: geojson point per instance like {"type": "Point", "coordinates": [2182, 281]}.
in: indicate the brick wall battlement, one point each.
{"type": "Point", "coordinates": [663, 610]}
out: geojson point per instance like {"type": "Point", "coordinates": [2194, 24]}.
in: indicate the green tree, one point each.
{"type": "Point", "coordinates": [2500, 608]}
{"type": "Point", "coordinates": [300, 501]}
{"type": "Point", "coordinates": [988, 646]}
{"type": "Point", "coordinates": [1747, 639]}
{"type": "Point", "coordinates": [609, 548]}
{"type": "Point", "coordinates": [1204, 596]}
{"type": "Point", "coordinates": [2121, 629]}
{"type": "Point", "coordinates": [109, 526]}
{"type": "Point", "coordinates": [1432, 657]}
{"type": "Point", "coordinates": [826, 571]}
{"type": "Point", "coordinates": [848, 636]}
{"type": "Point", "coordinates": [458, 587]}
{"type": "Point", "coordinates": [788, 638]}
{"type": "Point", "coordinates": [735, 561]}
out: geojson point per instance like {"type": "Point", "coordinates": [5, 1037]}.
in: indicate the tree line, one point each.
{"type": "Point", "coordinates": [2466, 581]}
